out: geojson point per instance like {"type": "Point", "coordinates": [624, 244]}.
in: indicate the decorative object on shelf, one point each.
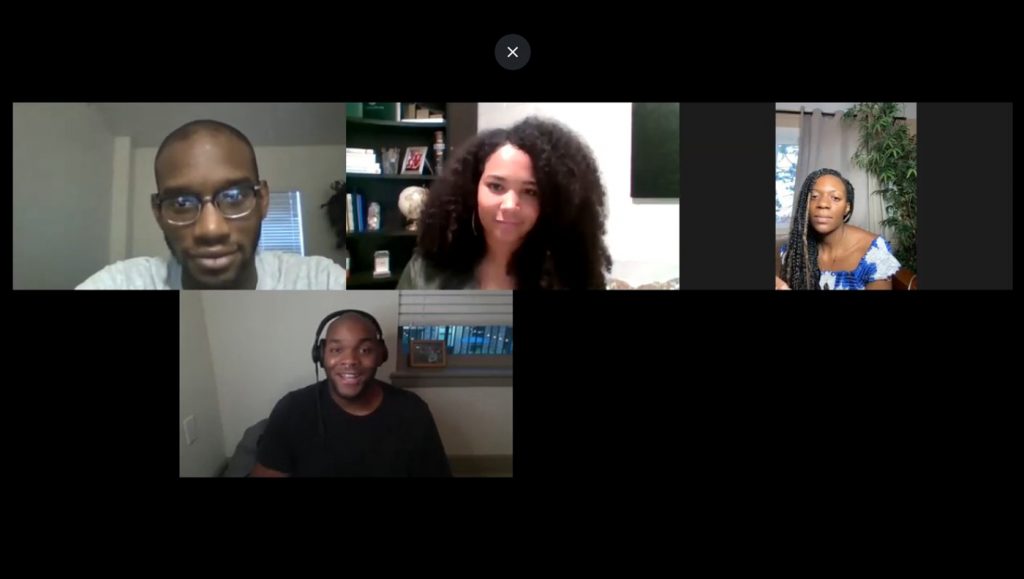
{"type": "Point", "coordinates": [410, 202]}
{"type": "Point", "coordinates": [415, 159]}
{"type": "Point", "coordinates": [373, 217]}
{"type": "Point", "coordinates": [427, 354]}
{"type": "Point", "coordinates": [389, 160]}
{"type": "Point", "coordinates": [381, 264]}
{"type": "Point", "coordinates": [438, 151]}
{"type": "Point", "coordinates": [336, 211]}
{"type": "Point", "coordinates": [413, 112]}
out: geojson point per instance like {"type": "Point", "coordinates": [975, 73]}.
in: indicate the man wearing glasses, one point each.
{"type": "Point", "coordinates": [210, 205]}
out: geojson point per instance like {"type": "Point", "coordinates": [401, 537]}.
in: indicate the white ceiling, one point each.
{"type": "Point", "coordinates": [266, 124]}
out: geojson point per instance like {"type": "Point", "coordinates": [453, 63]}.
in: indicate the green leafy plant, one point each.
{"type": "Point", "coordinates": [888, 152]}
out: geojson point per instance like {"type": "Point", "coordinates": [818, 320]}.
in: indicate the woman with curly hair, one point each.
{"type": "Point", "coordinates": [823, 251]}
{"type": "Point", "coordinates": [517, 208]}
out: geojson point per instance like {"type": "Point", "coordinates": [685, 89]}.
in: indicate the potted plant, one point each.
{"type": "Point", "coordinates": [336, 208]}
{"type": "Point", "coordinates": [888, 152]}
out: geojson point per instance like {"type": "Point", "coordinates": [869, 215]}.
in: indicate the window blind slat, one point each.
{"type": "Point", "coordinates": [455, 307]}
{"type": "Point", "coordinates": [282, 228]}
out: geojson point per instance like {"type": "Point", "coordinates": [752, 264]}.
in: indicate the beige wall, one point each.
{"type": "Point", "coordinates": [472, 420]}
{"type": "Point", "coordinates": [787, 120]}
{"type": "Point", "coordinates": [198, 394]}
{"type": "Point", "coordinates": [62, 169]}
{"type": "Point", "coordinates": [120, 202]}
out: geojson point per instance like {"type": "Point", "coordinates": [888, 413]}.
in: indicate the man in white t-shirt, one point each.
{"type": "Point", "coordinates": [210, 205]}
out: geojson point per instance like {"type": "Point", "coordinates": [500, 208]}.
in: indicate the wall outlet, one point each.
{"type": "Point", "coordinates": [190, 429]}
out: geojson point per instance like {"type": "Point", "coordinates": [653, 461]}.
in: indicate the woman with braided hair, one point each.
{"type": "Point", "coordinates": [824, 251]}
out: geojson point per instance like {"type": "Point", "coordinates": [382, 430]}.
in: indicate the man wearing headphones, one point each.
{"type": "Point", "coordinates": [351, 424]}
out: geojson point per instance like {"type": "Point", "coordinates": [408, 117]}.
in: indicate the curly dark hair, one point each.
{"type": "Point", "coordinates": [564, 249]}
{"type": "Point", "coordinates": [800, 269]}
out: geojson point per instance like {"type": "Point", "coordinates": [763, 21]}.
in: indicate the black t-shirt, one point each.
{"type": "Point", "coordinates": [399, 438]}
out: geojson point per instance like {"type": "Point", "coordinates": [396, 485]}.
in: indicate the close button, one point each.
{"type": "Point", "coordinates": [512, 52]}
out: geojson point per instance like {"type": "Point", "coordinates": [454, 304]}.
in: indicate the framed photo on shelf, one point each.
{"type": "Point", "coordinates": [427, 354]}
{"type": "Point", "coordinates": [381, 264]}
{"type": "Point", "coordinates": [415, 159]}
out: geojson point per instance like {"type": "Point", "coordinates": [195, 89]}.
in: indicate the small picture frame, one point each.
{"type": "Point", "coordinates": [415, 159]}
{"type": "Point", "coordinates": [427, 354]}
{"type": "Point", "coordinates": [381, 264]}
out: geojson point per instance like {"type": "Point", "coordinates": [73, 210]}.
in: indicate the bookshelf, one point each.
{"type": "Point", "coordinates": [394, 132]}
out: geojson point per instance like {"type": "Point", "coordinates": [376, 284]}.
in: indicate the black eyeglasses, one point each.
{"type": "Point", "coordinates": [233, 203]}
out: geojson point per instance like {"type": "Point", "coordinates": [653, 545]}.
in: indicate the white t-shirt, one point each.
{"type": "Point", "coordinates": [275, 270]}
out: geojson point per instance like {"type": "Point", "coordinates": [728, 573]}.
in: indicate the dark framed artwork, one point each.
{"type": "Point", "coordinates": [427, 354]}
{"type": "Point", "coordinates": [655, 158]}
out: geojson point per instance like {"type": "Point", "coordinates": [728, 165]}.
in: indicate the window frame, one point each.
{"type": "Point", "coordinates": [298, 208]}
{"type": "Point", "coordinates": [786, 136]}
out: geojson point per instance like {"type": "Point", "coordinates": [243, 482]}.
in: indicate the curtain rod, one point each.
{"type": "Point", "coordinates": [823, 114]}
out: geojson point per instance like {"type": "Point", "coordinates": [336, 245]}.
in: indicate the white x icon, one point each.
{"type": "Point", "coordinates": [512, 51]}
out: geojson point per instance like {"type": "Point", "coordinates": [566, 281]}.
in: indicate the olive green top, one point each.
{"type": "Point", "coordinates": [420, 275]}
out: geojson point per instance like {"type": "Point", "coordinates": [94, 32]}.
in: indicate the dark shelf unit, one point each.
{"type": "Point", "coordinates": [459, 124]}
{"type": "Point", "coordinates": [377, 134]}
{"type": "Point", "coordinates": [365, 280]}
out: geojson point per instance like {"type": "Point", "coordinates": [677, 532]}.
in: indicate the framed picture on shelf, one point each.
{"type": "Point", "coordinates": [427, 354]}
{"type": "Point", "coordinates": [415, 159]}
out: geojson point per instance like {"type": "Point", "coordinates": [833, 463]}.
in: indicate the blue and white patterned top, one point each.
{"type": "Point", "coordinates": [877, 264]}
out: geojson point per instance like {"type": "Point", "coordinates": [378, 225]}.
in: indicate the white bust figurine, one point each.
{"type": "Point", "coordinates": [410, 203]}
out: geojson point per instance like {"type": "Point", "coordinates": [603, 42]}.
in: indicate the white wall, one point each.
{"type": "Point", "coordinates": [198, 394]}
{"type": "Point", "coordinates": [634, 226]}
{"type": "Point", "coordinates": [307, 169]}
{"type": "Point", "coordinates": [62, 165]}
